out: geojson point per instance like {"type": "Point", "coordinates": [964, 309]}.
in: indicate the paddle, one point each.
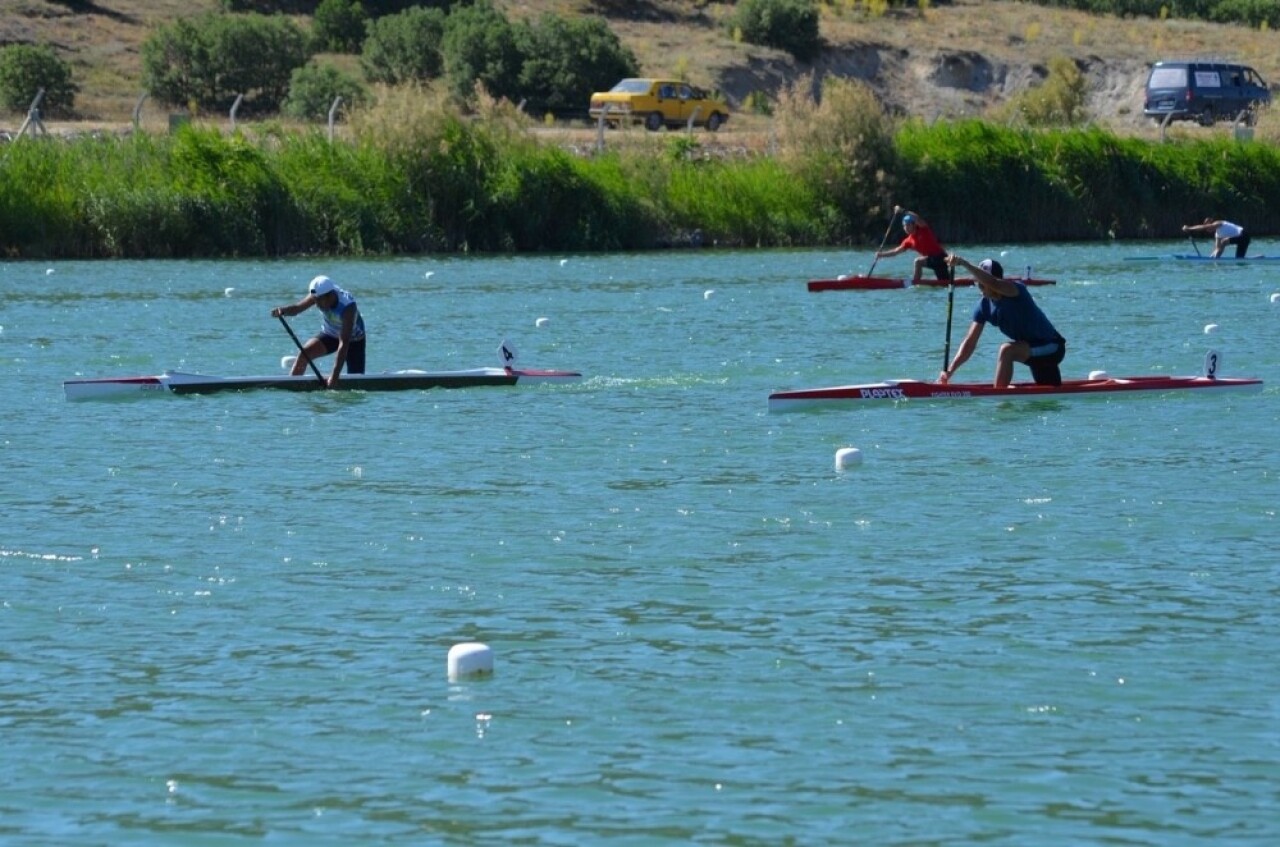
{"type": "Point", "coordinates": [887, 230]}
{"type": "Point", "coordinates": [951, 302]}
{"type": "Point", "coordinates": [1192, 239]}
{"type": "Point", "coordinates": [301, 349]}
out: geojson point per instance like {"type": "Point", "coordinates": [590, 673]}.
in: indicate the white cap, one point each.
{"type": "Point", "coordinates": [321, 286]}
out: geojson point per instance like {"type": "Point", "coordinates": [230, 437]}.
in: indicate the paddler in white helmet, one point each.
{"type": "Point", "coordinates": [1009, 307]}
{"type": "Point", "coordinates": [341, 329]}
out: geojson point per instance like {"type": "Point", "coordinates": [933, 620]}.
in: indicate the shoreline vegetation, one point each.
{"type": "Point", "coordinates": [414, 175]}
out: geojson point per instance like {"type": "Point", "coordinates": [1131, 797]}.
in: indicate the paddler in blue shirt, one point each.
{"type": "Point", "coordinates": [1009, 307]}
{"type": "Point", "coordinates": [341, 329]}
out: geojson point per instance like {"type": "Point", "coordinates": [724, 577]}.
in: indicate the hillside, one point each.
{"type": "Point", "coordinates": [946, 61]}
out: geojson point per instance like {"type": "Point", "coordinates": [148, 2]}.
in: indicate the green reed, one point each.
{"type": "Point", "coordinates": [441, 182]}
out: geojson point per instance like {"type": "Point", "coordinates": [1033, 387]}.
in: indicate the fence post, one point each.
{"type": "Point", "coordinates": [235, 107]}
{"type": "Point", "coordinates": [137, 110]}
{"type": "Point", "coordinates": [600, 128]}
{"type": "Point", "coordinates": [333, 115]}
{"type": "Point", "coordinates": [689, 126]}
{"type": "Point", "coordinates": [33, 117]}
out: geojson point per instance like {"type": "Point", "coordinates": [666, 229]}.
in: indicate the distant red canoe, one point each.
{"type": "Point", "coordinates": [880, 283]}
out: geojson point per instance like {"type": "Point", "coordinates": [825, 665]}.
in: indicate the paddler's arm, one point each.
{"type": "Point", "coordinates": [294, 308]}
{"type": "Point", "coordinates": [1003, 286]}
{"type": "Point", "coordinates": [892, 251]}
{"type": "Point", "coordinates": [963, 353]}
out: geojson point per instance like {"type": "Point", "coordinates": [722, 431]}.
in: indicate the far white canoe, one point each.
{"type": "Point", "coordinates": [177, 382]}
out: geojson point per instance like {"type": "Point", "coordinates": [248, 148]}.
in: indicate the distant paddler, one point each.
{"type": "Point", "coordinates": [341, 329]}
{"type": "Point", "coordinates": [1224, 233]}
{"type": "Point", "coordinates": [920, 238]}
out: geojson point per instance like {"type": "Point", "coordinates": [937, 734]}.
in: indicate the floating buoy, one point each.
{"type": "Point", "coordinates": [286, 362]}
{"type": "Point", "coordinates": [706, 295]}
{"type": "Point", "coordinates": [848, 457]}
{"type": "Point", "coordinates": [428, 275]}
{"type": "Point", "coordinates": [1099, 375]}
{"type": "Point", "coordinates": [1275, 298]}
{"type": "Point", "coordinates": [48, 271]}
{"type": "Point", "coordinates": [542, 322]}
{"type": "Point", "coordinates": [470, 659]}
{"type": "Point", "coordinates": [227, 292]}
{"type": "Point", "coordinates": [564, 262]}
{"type": "Point", "coordinates": [1208, 328]}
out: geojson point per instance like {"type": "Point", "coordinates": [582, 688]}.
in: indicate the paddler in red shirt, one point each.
{"type": "Point", "coordinates": [920, 238]}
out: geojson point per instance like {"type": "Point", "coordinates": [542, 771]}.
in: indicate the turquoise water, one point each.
{"type": "Point", "coordinates": [225, 619]}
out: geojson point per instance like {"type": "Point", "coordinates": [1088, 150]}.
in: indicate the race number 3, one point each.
{"type": "Point", "coordinates": [1211, 361]}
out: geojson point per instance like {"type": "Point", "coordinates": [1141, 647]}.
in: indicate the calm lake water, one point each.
{"type": "Point", "coordinates": [225, 620]}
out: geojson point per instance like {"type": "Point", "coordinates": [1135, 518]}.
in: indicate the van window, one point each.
{"type": "Point", "coordinates": [1208, 79]}
{"type": "Point", "coordinates": [1168, 78]}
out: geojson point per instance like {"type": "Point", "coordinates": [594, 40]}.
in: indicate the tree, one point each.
{"type": "Point", "coordinates": [25, 69]}
{"type": "Point", "coordinates": [314, 86]}
{"type": "Point", "coordinates": [566, 59]}
{"type": "Point", "coordinates": [339, 26]}
{"type": "Point", "coordinates": [480, 47]}
{"type": "Point", "coordinates": [210, 59]}
{"type": "Point", "coordinates": [404, 47]}
{"type": "Point", "coordinates": [790, 25]}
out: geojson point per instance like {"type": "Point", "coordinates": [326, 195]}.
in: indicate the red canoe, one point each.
{"type": "Point", "coordinates": [879, 283]}
{"type": "Point", "coordinates": [842, 396]}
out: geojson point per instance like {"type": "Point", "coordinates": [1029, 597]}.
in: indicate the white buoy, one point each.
{"type": "Point", "coordinates": [286, 362]}
{"type": "Point", "coordinates": [428, 274]}
{"type": "Point", "coordinates": [48, 271]}
{"type": "Point", "coordinates": [470, 659]}
{"type": "Point", "coordinates": [1208, 328]}
{"type": "Point", "coordinates": [564, 262]}
{"type": "Point", "coordinates": [542, 322]}
{"type": "Point", "coordinates": [1275, 298]}
{"type": "Point", "coordinates": [708, 294]}
{"type": "Point", "coordinates": [847, 457]}
{"type": "Point", "coordinates": [1099, 375]}
{"type": "Point", "coordinates": [227, 292]}
{"type": "Point", "coordinates": [842, 276]}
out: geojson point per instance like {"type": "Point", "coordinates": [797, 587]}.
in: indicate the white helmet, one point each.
{"type": "Point", "coordinates": [321, 286]}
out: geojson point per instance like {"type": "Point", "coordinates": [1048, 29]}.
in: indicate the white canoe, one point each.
{"type": "Point", "coordinates": [175, 382]}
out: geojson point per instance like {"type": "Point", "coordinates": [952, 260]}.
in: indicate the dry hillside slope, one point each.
{"type": "Point", "coordinates": [945, 61]}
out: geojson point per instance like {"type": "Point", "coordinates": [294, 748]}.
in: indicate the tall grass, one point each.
{"type": "Point", "coordinates": [419, 177]}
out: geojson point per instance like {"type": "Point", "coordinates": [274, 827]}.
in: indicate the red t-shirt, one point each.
{"type": "Point", "coordinates": [923, 241]}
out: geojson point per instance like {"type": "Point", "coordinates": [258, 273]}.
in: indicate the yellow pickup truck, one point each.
{"type": "Point", "coordinates": [657, 103]}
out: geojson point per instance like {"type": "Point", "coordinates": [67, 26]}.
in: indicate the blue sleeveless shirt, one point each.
{"type": "Point", "coordinates": [1018, 317]}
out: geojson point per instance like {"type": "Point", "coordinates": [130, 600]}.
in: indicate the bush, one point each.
{"type": "Point", "coordinates": [339, 26]}
{"type": "Point", "coordinates": [566, 59]}
{"type": "Point", "coordinates": [313, 88]}
{"type": "Point", "coordinates": [207, 61]}
{"type": "Point", "coordinates": [1058, 101]}
{"type": "Point", "coordinates": [842, 147]}
{"type": "Point", "coordinates": [790, 25]}
{"type": "Point", "coordinates": [404, 47]}
{"type": "Point", "coordinates": [25, 69]}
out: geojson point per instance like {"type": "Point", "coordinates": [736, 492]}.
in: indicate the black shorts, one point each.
{"type": "Point", "coordinates": [1242, 244]}
{"type": "Point", "coordinates": [938, 264]}
{"type": "Point", "coordinates": [1044, 369]}
{"type": "Point", "coordinates": [355, 352]}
